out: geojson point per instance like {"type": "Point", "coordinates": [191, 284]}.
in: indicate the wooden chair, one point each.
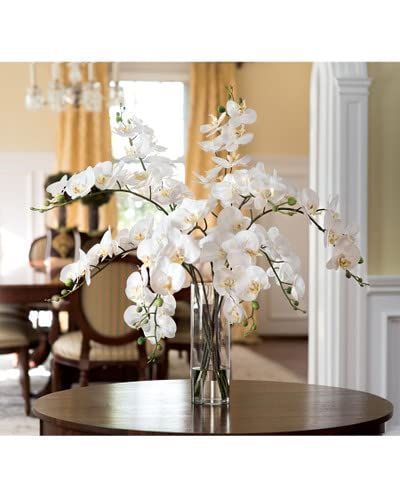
{"type": "Point", "coordinates": [181, 341]}
{"type": "Point", "coordinates": [103, 341]}
{"type": "Point", "coordinates": [14, 338]}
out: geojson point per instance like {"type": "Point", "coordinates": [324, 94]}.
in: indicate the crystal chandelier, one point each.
{"type": "Point", "coordinates": [86, 95]}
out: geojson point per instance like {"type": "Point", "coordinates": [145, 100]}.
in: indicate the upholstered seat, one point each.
{"type": "Point", "coordinates": [69, 346]}
{"type": "Point", "coordinates": [13, 334]}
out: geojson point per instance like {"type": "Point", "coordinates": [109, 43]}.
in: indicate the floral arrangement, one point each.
{"type": "Point", "coordinates": [188, 241]}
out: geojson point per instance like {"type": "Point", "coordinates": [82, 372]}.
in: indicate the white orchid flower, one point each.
{"type": "Point", "coordinates": [106, 248]}
{"type": "Point", "coordinates": [346, 255]}
{"type": "Point", "coordinates": [309, 200]}
{"type": "Point", "coordinates": [231, 220]}
{"type": "Point", "coordinates": [334, 230]}
{"type": "Point", "coordinates": [125, 129]}
{"type": "Point", "coordinates": [214, 126]}
{"type": "Point", "coordinates": [167, 277]}
{"type": "Point", "coordinates": [232, 138]}
{"type": "Point", "coordinates": [141, 231]}
{"type": "Point", "coordinates": [212, 248]}
{"type": "Point", "coordinates": [181, 248]}
{"type": "Point", "coordinates": [106, 174]}
{"type": "Point", "coordinates": [161, 327]}
{"type": "Point", "coordinates": [252, 280]}
{"type": "Point", "coordinates": [76, 270]}
{"type": "Point", "coordinates": [135, 286]}
{"type": "Point", "coordinates": [298, 287]}
{"type": "Point", "coordinates": [233, 311]}
{"type": "Point", "coordinates": [239, 113]}
{"type": "Point", "coordinates": [80, 184]}
{"type": "Point", "coordinates": [243, 249]}
{"type": "Point", "coordinates": [210, 177]}
{"type": "Point", "coordinates": [268, 188]}
{"type": "Point", "coordinates": [190, 213]}
{"type": "Point", "coordinates": [226, 280]}
{"type": "Point", "coordinates": [226, 191]}
{"type": "Point", "coordinates": [132, 318]}
{"type": "Point", "coordinates": [213, 145]}
{"type": "Point", "coordinates": [57, 188]}
{"type": "Point", "coordinates": [232, 160]}
{"type": "Point", "coordinates": [170, 192]}
{"type": "Point", "coordinates": [148, 251]}
{"type": "Point", "coordinates": [142, 145]}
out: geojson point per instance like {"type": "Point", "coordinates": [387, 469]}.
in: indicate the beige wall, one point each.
{"type": "Point", "coordinates": [280, 94]}
{"type": "Point", "coordinates": [21, 130]}
{"type": "Point", "coordinates": [384, 169]}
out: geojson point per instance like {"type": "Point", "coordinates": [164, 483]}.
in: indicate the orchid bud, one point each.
{"type": "Point", "coordinates": [141, 340]}
{"type": "Point", "coordinates": [289, 289]}
{"type": "Point", "coordinates": [158, 302]}
{"type": "Point", "coordinates": [291, 201]}
{"type": "Point", "coordinates": [348, 274]}
{"type": "Point", "coordinates": [69, 283]}
{"type": "Point", "coordinates": [118, 117]}
{"type": "Point", "coordinates": [59, 198]}
{"type": "Point", "coordinates": [55, 298]}
{"type": "Point", "coordinates": [253, 327]}
{"type": "Point", "coordinates": [245, 322]}
{"type": "Point", "coordinates": [296, 302]}
{"type": "Point", "coordinates": [64, 292]}
{"type": "Point", "coordinates": [361, 260]}
{"type": "Point", "coordinates": [221, 109]}
{"type": "Point", "coordinates": [255, 305]}
{"type": "Point", "coordinates": [139, 309]}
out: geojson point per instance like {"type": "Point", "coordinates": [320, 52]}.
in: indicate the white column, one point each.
{"type": "Point", "coordinates": [338, 165]}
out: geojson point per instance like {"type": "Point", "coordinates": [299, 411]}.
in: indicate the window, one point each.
{"type": "Point", "coordinates": [160, 100]}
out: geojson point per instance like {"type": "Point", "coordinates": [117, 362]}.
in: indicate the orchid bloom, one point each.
{"type": "Point", "coordinates": [80, 184]}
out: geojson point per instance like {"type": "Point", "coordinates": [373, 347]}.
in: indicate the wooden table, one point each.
{"type": "Point", "coordinates": [163, 407]}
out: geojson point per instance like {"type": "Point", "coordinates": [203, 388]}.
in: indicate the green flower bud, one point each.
{"type": "Point", "coordinates": [139, 309]}
{"type": "Point", "coordinates": [245, 322]}
{"type": "Point", "coordinates": [64, 292]}
{"type": "Point", "coordinates": [221, 109]}
{"type": "Point", "coordinates": [69, 283]}
{"type": "Point", "coordinates": [361, 261]}
{"type": "Point", "coordinates": [60, 198]}
{"type": "Point", "coordinates": [255, 305]}
{"type": "Point", "coordinates": [296, 302]}
{"type": "Point", "coordinates": [55, 298]}
{"type": "Point", "coordinates": [141, 340]}
{"type": "Point", "coordinates": [291, 201]}
{"type": "Point", "coordinates": [253, 327]}
{"type": "Point", "coordinates": [348, 274]}
{"type": "Point", "coordinates": [159, 302]}
{"type": "Point", "coordinates": [289, 289]}
{"type": "Point", "coordinates": [118, 117]}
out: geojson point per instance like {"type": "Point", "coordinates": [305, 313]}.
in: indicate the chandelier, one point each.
{"type": "Point", "coordinates": [86, 95]}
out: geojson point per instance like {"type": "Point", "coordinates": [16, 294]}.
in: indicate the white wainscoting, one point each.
{"type": "Point", "coordinates": [22, 177]}
{"type": "Point", "coordinates": [383, 342]}
{"type": "Point", "coordinates": [276, 316]}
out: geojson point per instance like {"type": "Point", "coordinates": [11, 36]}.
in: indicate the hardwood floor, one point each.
{"type": "Point", "coordinates": [289, 352]}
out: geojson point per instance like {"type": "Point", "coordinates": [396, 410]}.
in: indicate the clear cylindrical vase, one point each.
{"type": "Point", "coordinates": [210, 359]}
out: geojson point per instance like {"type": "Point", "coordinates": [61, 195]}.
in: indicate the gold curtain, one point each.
{"type": "Point", "coordinates": [208, 82]}
{"type": "Point", "coordinates": [83, 139]}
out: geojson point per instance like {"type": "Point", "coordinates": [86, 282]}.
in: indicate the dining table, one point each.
{"type": "Point", "coordinates": [24, 289]}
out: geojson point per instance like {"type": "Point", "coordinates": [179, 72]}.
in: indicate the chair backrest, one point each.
{"type": "Point", "coordinates": [37, 252]}
{"type": "Point", "coordinates": [99, 308]}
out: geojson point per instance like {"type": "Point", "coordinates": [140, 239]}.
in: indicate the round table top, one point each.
{"type": "Point", "coordinates": [164, 407]}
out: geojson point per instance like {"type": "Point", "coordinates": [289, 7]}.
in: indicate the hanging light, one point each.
{"type": "Point", "coordinates": [76, 93]}
{"type": "Point", "coordinates": [56, 90]}
{"type": "Point", "coordinates": [34, 99]}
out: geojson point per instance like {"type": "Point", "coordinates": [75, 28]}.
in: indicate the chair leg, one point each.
{"type": "Point", "coordinates": [83, 378]}
{"type": "Point", "coordinates": [24, 378]}
{"type": "Point", "coordinates": [56, 375]}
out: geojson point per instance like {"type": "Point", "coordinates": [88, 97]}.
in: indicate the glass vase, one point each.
{"type": "Point", "coordinates": [210, 359]}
